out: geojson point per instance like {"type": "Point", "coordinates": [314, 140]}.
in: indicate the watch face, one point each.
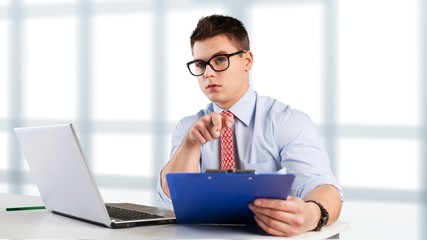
{"type": "Point", "coordinates": [325, 219]}
{"type": "Point", "coordinates": [325, 215]}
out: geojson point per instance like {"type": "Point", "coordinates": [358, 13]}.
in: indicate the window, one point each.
{"type": "Point", "coordinates": [49, 68]}
{"type": "Point", "coordinates": [4, 68]}
{"type": "Point", "coordinates": [291, 56]}
{"type": "Point", "coordinates": [379, 63]}
{"type": "Point", "coordinates": [122, 67]}
{"type": "Point", "coordinates": [4, 154]}
{"type": "Point", "coordinates": [370, 163]}
{"type": "Point", "coordinates": [123, 155]}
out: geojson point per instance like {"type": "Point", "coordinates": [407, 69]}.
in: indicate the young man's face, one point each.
{"type": "Point", "coordinates": [227, 87]}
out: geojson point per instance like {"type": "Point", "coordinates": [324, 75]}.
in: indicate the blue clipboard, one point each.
{"type": "Point", "coordinates": [223, 198]}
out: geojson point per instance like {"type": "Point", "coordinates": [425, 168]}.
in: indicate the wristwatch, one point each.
{"type": "Point", "coordinates": [324, 215]}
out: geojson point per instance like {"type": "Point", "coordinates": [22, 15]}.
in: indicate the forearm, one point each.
{"type": "Point", "coordinates": [185, 159]}
{"type": "Point", "coordinates": [330, 198]}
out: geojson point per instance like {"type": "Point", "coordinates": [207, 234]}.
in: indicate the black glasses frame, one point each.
{"type": "Point", "coordinates": [209, 62]}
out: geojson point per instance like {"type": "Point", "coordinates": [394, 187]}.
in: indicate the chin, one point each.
{"type": "Point", "coordinates": [215, 99]}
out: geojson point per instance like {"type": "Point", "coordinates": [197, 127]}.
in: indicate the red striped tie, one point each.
{"type": "Point", "coordinates": [227, 152]}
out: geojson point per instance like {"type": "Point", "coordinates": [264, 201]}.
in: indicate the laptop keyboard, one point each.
{"type": "Point", "coordinates": [127, 215]}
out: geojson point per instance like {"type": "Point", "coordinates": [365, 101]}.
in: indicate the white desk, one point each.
{"type": "Point", "coordinates": [43, 224]}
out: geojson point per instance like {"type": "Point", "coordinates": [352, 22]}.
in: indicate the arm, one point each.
{"type": "Point", "coordinates": [187, 156]}
{"type": "Point", "coordinates": [302, 154]}
{"type": "Point", "coordinates": [185, 159]}
{"type": "Point", "coordinates": [295, 216]}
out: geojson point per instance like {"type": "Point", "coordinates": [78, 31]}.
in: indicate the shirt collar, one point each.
{"type": "Point", "coordinates": [242, 109]}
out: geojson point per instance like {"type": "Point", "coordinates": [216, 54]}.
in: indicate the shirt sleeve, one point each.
{"type": "Point", "coordinates": [303, 154]}
{"type": "Point", "coordinates": [164, 199]}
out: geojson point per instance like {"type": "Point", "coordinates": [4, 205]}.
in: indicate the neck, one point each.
{"type": "Point", "coordinates": [228, 105]}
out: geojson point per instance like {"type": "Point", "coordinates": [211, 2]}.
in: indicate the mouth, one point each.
{"type": "Point", "coordinates": [212, 86]}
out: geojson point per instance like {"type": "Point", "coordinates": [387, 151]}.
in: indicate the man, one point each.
{"type": "Point", "coordinates": [268, 136]}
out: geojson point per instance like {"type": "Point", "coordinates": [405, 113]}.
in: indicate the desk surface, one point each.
{"type": "Point", "coordinates": [43, 224]}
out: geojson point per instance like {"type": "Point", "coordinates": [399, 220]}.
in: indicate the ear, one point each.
{"type": "Point", "coordinates": [249, 59]}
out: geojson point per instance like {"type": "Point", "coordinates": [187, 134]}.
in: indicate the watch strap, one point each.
{"type": "Point", "coordinates": [324, 216]}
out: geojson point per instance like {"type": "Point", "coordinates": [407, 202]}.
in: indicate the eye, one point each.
{"type": "Point", "coordinates": [220, 60]}
{"type": "Point", "coordinates": [199, 64]}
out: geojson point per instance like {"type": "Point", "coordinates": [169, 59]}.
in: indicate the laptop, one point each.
{"type": "Point", "coordinates": [67, 185]}
{"type": "Point", "coordinates": [223, 198]}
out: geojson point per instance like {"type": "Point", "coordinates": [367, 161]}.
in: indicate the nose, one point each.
{"type": "Point", "coordinates": [208, 71]}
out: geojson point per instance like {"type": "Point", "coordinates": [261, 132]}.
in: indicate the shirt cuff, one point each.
{"type": "Point", "coordinates": [308, 187]}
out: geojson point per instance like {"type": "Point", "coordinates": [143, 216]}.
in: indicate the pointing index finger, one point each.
{"type": "Point", "coordinates": [217, 121]}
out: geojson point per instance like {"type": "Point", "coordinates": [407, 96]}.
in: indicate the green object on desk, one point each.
{"type": "Point", "coordinates": [25, 208]}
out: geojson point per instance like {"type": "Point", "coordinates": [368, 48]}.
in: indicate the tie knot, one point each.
{"type": "Point", "coordinates": [227, 114]}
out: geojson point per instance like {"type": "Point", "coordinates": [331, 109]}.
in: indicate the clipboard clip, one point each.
{"type": "Point", "coordinates": [230, 171]}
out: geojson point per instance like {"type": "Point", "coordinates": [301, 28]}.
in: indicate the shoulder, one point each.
{"type": "Point", "coordinates": [280, 111]}
{"type": "Point", "coordinates": [285, 123]}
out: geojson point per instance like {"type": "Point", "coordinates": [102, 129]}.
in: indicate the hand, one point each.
{"type": "Point", "coordinates": [285, 217]}
{"type": "Point", "coordinates": [209, 127]}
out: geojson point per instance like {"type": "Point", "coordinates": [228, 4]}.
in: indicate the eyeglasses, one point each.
{"type": "Point", "coordinates": [218, 63]}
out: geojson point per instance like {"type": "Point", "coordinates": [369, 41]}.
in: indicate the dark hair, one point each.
{"type": "Point", "coordinates": [211, 26]}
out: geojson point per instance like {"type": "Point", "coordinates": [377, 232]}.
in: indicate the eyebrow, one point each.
{"type": "Point", "coordinates": [216, 54]}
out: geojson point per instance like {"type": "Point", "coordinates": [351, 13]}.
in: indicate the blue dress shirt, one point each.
{"type": "Point", "coordinates": [269, 137]}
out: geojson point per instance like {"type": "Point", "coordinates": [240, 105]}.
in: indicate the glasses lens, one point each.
{"type": "Point", "coordinates": [219, 63]}
{"type": "Point", "coordinates": [197, 67]}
